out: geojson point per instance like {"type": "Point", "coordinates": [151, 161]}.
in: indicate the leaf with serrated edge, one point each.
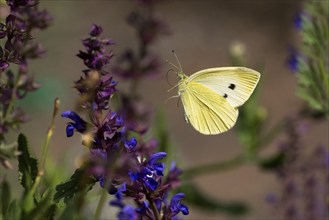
{"type": "Point", "coordinates": [79, 182]}
{"type": "Point", "coordinates": [27, 165]}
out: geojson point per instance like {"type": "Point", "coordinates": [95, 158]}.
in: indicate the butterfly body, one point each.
{"type": "Point", "coordinates": [211, 97]}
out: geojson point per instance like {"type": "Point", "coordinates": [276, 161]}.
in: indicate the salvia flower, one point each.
{"type": "Point", "coordinates": [24, 17]}
{"type": "Point", "coordinates": [125, 165]}
{"type": "Point", "coordinates": [96, 56]}
{"type": "Point", "coordinates": [78, 123]}
{"type": "Point", "coordinates": [17, 47]}
{"type": "Point", "coordinates": [97, 86]}
{"type": "Point", "coordinates": [172, 209]}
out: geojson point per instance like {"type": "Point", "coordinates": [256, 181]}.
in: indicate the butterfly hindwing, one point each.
{"type": "Point", "coordinates": [235, 84]}
{"type": "Point", "coordinates": [206, 110]}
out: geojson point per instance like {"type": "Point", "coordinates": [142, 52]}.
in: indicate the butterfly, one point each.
{"type": "Point", "coordinates": [211, 97]}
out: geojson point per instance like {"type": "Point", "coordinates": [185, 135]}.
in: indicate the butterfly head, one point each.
{"type": "Point", "coordinates": [181, 75]}
{"type": "Point", "coordinates": [179, 69]}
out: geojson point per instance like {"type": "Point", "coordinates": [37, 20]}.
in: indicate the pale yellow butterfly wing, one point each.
{"type": "Point", "coordinates": [235, 84]}
{"type": "Point", "coordinates": [206, 110]}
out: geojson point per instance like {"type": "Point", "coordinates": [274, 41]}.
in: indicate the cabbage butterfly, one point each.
{"type": "Point", "coordinates": [211, 97]}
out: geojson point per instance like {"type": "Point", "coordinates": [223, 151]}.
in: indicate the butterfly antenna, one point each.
{"type": "Point", "coordinates": [170, 63]}
{"type": "Point", "coordinates": [167, 77]}
{"type": "Point", "coordinates": [180, 66]}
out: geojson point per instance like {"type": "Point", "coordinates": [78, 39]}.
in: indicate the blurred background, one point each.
{"type": "Point", "coordinates": [201, 33]}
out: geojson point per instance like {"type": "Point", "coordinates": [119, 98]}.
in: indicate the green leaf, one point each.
{"type": "Point", "coordinates": [14, 210]}
{"type": "Point", "coordinates": [73, 208]}
{"type": "Point", "coordinates": [50, 212]}
{"type": "Point", "coordinates": [195, 197]}
{"type": "Point", "coordinates": [273, 162]}
{"type": "Point", "coordinates": [27, 165]}
{"type": "Point", "coordinates": [5, 197]}
{"type": "Point", "coordinates": [79, 182]}
{"type": "Point", "coordinates": [43, 209]}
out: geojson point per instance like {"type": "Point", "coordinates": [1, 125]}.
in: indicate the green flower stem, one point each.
{"type": "Point", "coordinates": [237, 161]}
{"type": "Point", "coordinates": [49, 135]}
{"type": "Point", "coordinates": [154, 209]}
{"type": "Point", "coordinates": [29, 197]}
{"type": "Point", "coordinates": [102, 199]}
{"type": "Point", "coordinates": [210, 168]}
{"type": "Point", "coordinates": [12, 99]}
{"type": "Point", "coordinates": [270, 135]}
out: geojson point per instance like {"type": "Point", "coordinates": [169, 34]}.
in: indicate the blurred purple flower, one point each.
{"type": "Point", "coordinates": [3, 65]}
{"type": "Point", "coordinates": [148, 27]}
{"type": "Point", "coordinates": [127, 213]}
{"type": "Point", "coordinates": [131, 66]}
{"type": "Point", "coordinates": [292, 61]}
{"type": "Point", "coordinates": [136, 114]}
{"type": "Point", "coordinates": [271, 198]}
{"type": "Point", "coordinates": [298, 20]}
{"type": "Point", "coordinates": [304, 178]}
{"type": "Point", "coordinates": [20, 3]}
{"type": "Point", "coordinates": [24, 17]}
{"type": "Point", "coordinates": [173, 176]}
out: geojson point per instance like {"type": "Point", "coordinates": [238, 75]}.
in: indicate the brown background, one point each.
{"type": "Point", "coordinates": [202, 32]}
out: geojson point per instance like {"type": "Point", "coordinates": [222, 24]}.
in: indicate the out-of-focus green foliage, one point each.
{"type": "Point", "coordinates": [199, 199]}
{"type": "Point", "coordinates": [313, 62]}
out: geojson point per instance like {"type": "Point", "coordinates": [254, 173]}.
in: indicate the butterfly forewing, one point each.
{"type": "Point", "coordinates": [206, 110]}
{"type": "Point", "coordinates": [234, 84]}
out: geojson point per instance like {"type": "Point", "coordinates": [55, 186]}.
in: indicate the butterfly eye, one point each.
{"type": "Point", "coordinates": [232, 86]}
{"type": "Point", "coordinates": [225, 95]}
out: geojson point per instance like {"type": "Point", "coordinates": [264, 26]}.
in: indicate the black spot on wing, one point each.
{"type": "Point", "coordinates": [232, 86]}
{"type": "Point", "coordinates": [225, 95]}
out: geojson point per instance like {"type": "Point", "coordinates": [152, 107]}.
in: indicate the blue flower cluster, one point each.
{"type": "Point", "coordinates": [124, 164]}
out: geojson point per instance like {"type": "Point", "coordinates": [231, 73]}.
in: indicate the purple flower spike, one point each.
{"type": "Point", "coordinates": [79, 124]}
{"type": "Point", "coordinates": [96, 55]}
